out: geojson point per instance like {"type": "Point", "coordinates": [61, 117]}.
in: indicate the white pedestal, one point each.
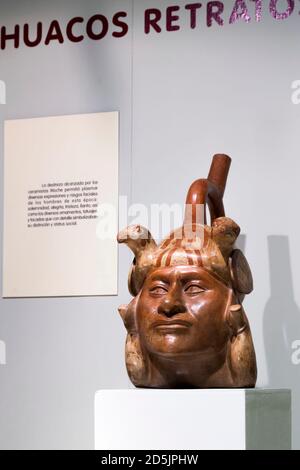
{"type": "Point", "coordinates": [145, 419]}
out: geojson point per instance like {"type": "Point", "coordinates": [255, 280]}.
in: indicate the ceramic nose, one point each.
{"type": "Point", "coordinates": [172, 305]}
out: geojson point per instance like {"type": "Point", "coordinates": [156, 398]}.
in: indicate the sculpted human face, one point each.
{"type": "Point", "coordinates": [181, 310]}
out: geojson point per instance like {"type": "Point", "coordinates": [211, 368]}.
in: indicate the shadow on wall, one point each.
{"type": "Point", "coordinates": [282, 327]}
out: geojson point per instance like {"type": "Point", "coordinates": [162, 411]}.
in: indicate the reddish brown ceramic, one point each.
{"type": "Point", "coordinates": [186, 324]}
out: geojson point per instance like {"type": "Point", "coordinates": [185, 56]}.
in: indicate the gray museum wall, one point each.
{"type": "Point", "coordinates": [182, 97]}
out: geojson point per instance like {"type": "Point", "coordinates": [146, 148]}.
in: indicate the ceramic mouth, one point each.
{"type": "Point", "coordinates": [169, 325]}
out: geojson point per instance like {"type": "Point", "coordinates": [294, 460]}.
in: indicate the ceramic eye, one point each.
{"type": "Point", "coordinates": [193, 289]}
{"type": "Point", "coordinates": [159, 290]}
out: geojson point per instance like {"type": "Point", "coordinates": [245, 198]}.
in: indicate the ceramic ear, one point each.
{"type": "Point", "coordinates": [135, 363]}
{"type": "Point", "coordinates": [122, 311]}
{"type": "Point", "coordinates": [127, 313]}
{"type": "Point", "coordinates": [236, 320]}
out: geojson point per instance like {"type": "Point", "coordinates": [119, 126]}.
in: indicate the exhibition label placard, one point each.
{"type": "Point", "coordinates": [58, 174]}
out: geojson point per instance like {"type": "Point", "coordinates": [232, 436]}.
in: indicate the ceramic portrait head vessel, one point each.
{"type": "Point", "coordinates": [186, 326]}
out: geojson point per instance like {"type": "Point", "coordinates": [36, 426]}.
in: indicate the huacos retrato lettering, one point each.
{"type": "Point", "coordinates": [171, 19]}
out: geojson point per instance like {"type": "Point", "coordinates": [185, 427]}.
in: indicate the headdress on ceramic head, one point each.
{"type": "Point", "coordinates": [210, 247]}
